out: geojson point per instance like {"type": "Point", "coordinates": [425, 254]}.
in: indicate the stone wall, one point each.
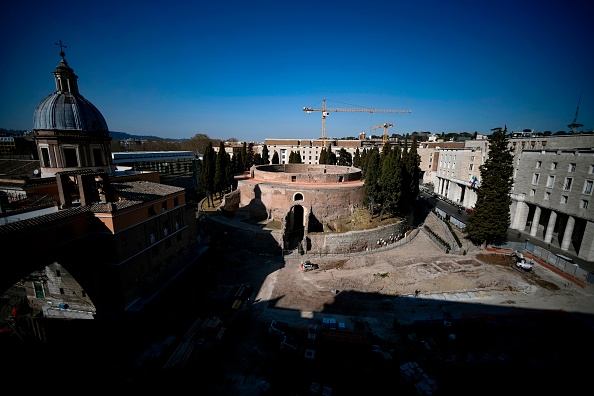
{"type": "Point", "coordinates": [276, 200]}
{"type": "Point", "coordinates": [304, 173]}
{"type": "Point", "coordinates": [232, 232]}
{"type": "Point", "coordinates": [356, 241]}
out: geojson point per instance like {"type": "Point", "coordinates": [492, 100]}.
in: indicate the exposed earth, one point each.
{"type": "Point", "coordinates": [499, 313]}
{"type": "Point", "coordinates": [505, 328]}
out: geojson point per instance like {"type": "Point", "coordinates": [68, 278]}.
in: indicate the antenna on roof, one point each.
{"type": "Point", "coordinates": [574, 125]}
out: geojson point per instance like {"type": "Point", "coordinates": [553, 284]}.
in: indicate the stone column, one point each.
{"type": "Point", "coordinates": [520, 216]}
{"type": "Point", "coordinates": [535, 221]}
{"type": "Point", "coordinates": [568, 232]}
{"type": "Point", "coordinates": [550, 227]}
{"type": "Point", "coordinates": [587, 243]}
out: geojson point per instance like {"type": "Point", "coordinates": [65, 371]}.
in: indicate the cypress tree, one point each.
{"type": "Point", "coordinates": [490, 220]}
{"type": "Point", "coordinates": [249, 161]}
{"type": "Point", "coordinates": [323, 156]}
{"type": "Point", "coordinates": [265, 160]}
{"type": "Point", "coordinates": [207, 173]}
{"type": "Point", "coordinates": [357, 159]}
{"type": "Point", "coordinates": [331, 159]}
{"type": "Point", "coordinates": [244, 157]}
{"type": "Point", "coordinates": [372, 176]}
{"type": "Point", "coordinates": [220, 176]}
{"type": "Point", "coordinates": [275, 159]}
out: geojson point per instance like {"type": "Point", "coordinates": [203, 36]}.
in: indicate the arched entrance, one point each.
{"type": "Point", "coordinates": [294, 227]}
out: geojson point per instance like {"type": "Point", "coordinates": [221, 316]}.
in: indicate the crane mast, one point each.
{"type": "Point", "coordinates": [326, 112]}
{"type": "Point", "coordinates": [385, 125]}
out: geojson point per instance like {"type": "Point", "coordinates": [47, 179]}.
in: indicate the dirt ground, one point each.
{"type": "Point", "coordinates": [370, 293]}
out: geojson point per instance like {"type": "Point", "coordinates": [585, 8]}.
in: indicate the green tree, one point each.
{"type": "Point", "coordinates": [244, 157]}
{"type": "Point", "coordinates": [357, 159]}
{"type": "Point", "coordinates": [221, 176]}
{"type": "Point", "coordinates": [250, 156]}
{"type": "Point", "coordinates": [323, 156]}
{"type": "Point", "coordinates": [239, 162]}
{"type": "Point", "coordinates": [390, 182]}
{"type": "Point", "coordinates": [331, 159]}
{"type": "Point", "coordinates": [275, 158]}
{"type": "Point", "coordinates": [294, 157]}
{"type": "Point", "coordinates": [265, 160]}
{"type": "Point", "coordinates": [207, 173]}
{"type": "Point", "coordinates": [344, 158]}
{"type": "Point", "coordinates": [490, 220]}
{"type": "Point", "coordinates": [371, 184]}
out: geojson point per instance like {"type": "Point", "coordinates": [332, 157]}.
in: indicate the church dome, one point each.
{"type": "Point", "coordinates": [67, 109]}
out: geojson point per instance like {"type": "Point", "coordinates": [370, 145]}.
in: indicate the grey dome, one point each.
{"type": "Point", "coordinates": [67, 109]}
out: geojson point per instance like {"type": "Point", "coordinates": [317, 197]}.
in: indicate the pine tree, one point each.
{"type": "Point", "coordinates": [490, 220]}
{"type": "Point", "coordinates": [275, 159]}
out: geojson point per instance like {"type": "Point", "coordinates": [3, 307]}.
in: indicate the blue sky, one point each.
{"type": "Point", "coordinates": [246, 69]}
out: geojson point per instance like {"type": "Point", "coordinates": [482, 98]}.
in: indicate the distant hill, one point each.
{"type": "Point", "coordinates": [124, 136]}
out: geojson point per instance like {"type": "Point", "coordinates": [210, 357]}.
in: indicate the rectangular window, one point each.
{"type": "Point", "coordinates": [164, 206]}
{"type": "Point", "coordinates": [567, 184]}
{"type": "Point", "coordinates": [38, 290]}
{"type": "Point", "coordinates": [45, 158]}
{"type": "Point", "coordinates": [571, 168]}
{"type": "Point", "coordinates": [61, 290]}
{"type": "Point", "coordinates": [588, 187]}
{"type": "Point", "coordinates": [535, 177]}
{"type": "Point", "coordinates": [471, 167]}
{"type": "Point", "coordinates": [532, 192]}
{"type": "Point", "coordinates": [563, 199]}
{"type": "Point", "coordinates": [70, 157]}
{"type": "Point", "coordinates": [550, 181]}
{"type": "Point", "coordinates": [538, 164]}
{"type": "Point", "coordinates": [547, 195]}
{"type": "Point", "coordinates": [175, 201]}
{"type": "Point", "coordinates": [97, 157]}
{"type": "Point", "coordinates": [553, 166]}
{"type": "Point", "coordinates": [591, 170]}
{"type": "Point", "coordinates": [584, 204]}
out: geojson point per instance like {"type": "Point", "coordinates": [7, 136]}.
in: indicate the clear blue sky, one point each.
{"type": "Point", "coordinates": [245, 69]}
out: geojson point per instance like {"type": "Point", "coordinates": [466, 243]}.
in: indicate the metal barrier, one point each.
{"type": "Point", "coordinates": [554, 260]}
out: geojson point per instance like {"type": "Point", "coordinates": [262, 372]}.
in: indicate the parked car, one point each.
{"type": "Point", "coordinates": [469, 210]}
{"type": "Point", "coordinates": [308, 266]}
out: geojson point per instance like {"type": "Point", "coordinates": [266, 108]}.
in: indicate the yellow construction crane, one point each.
{"type": "Point", "coordinates": [326, 112]}
{"type": "Point", "coordinates": [385, 125]}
